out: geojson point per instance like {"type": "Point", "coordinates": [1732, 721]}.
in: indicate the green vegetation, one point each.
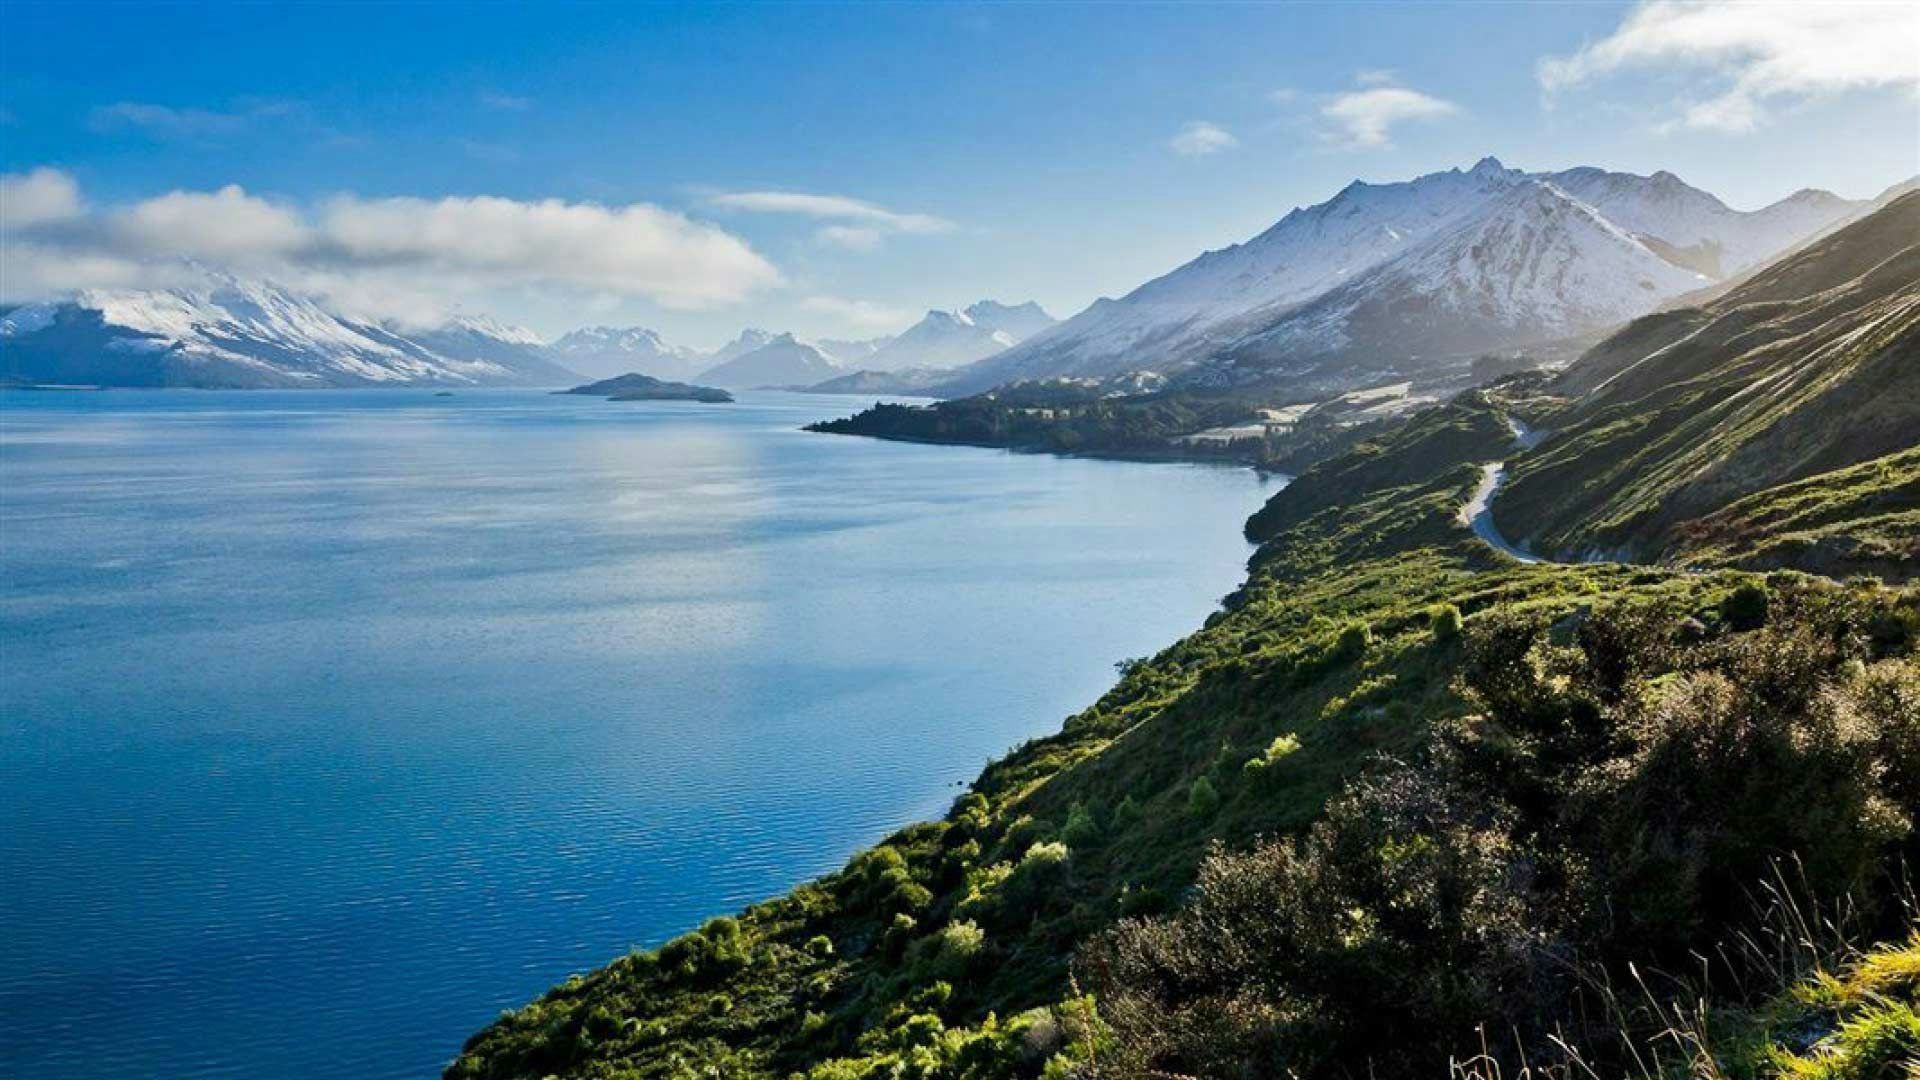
{"type": "Point", "coordinates": [1398, 793]}
{"type": "Point", "coordinates": [1810, 367]}
{"type": "Point", "coordinates": [1068, 417]}
{"type": "Point", "coordinates": [1859, 1024]}
{"type": "Point", "coordinates": [1863, 519]}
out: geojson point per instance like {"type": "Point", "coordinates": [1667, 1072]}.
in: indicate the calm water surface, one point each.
{"type": "Point", "coordinates": [332, 723]}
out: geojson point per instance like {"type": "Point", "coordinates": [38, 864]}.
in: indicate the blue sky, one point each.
{"type": "Point", "coordinates": [1055, 152]}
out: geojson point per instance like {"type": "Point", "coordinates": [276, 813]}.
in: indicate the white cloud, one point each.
{"type": "Point", "coordinates": [389, 255]}
{"type": "Point", "coordinates": [226, 225]}
{"type": "Point", "coordinates": [860, 225]}
{"type": "Point", "coordinates": [1754, 52]}
{"type": "Point", "coordinates": [1200, 138]}
{"type": "Point", "coordinates": [1374, 77]}
{"type": "Point", "coordinates": [862, 315]}
{"type": "Point", "coordinates": [37, 197]}
{"type": "Point", "coordinates": [637, 250]}
{"type": "Point", "coordinates": [1366, 118]}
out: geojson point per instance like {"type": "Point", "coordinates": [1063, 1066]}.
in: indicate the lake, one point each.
{"type": "Point", "coordinates": [334, 722]}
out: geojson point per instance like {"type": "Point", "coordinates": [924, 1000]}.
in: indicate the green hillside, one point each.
{"type": "Point", "coordinates": [1810, 366]}
{"type": "Point", "coordinates": [1400, 790]}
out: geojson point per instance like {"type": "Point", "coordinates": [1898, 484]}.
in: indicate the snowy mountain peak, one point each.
{"type": "Point", "coordinates": [944, 338]}
{"type": "Point", "coordinates": [1583, 245]}
{"type": "Point", "coordinates": [608, 351]}
{"type": "Point", "coordinates": [783, 360]}
{"type": "Point", "coordinates": [488, 326]}
{"type": "Point", "coordinates": [226, 331]}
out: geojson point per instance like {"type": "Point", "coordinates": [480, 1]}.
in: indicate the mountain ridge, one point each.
{"type": "Point", "coordinates": [1212, 304]}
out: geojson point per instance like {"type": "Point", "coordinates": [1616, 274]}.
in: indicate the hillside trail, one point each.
{"type": "Point", "coordinates": [1477, 511]}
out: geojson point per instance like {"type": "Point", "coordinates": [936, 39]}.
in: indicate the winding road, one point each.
{"type": "Point", "coordinates": [1477, 511]}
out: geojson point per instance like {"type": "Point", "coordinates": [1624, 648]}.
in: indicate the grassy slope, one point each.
{"type": "Point", "coordinates": [945, 950]}
{"type": "Point", "coordinates": [1862, 519]}
{"type": "Point", "coordinates": [1811, 366]}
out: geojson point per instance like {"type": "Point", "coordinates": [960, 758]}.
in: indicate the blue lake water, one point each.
{"type": "Point", "coordinates": [333, 723]}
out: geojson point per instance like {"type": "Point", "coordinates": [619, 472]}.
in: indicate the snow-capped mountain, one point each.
{"type": "Point", "coordinates": [1176, 319]}
{"type": "Point", "coordinates": [232, 332]}
{"type": "Point", "coordinates": [951, 338]}
{"type": "Point", "coordinates": [1206, 308]}
{"type": "Point", "coordinates": [1533, 265]}
{"type": "Point", "coordinates": [783, 360]}
{"type": "Point", "coordinates": [1696, 229]}
{"type": "Point", "coordinates": [1017, 321]}
{"type": "Point", "coordinates": [606, 351]}
{"type": "Point", "coordinates": [748, 340]}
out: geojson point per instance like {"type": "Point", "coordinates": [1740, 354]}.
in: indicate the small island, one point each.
{"type": "Point", "coordinates": [634, 386]}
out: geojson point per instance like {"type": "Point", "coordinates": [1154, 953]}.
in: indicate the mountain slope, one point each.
{"type": "Point", "coordinates": [1533, 265]}
{"type": "Point", "coordinates": [233, 333]}
{"type": "Point", "coordinates": [782, 361]}
{"type": "Point", "coordinates": [1209, 306]}
{"type": "Point", "coordinates": [1169, 321]}
{"type": "Point", "coordinates": [743, 343]}
{"type": "Point", "coordinates": [1809, 366]}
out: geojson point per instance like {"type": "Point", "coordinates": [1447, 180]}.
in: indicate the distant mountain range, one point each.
{"type": "Point", "coordinates": [1406, 277]}
{"type": "Point", "coordinates": [233, 333]}
{"type": "Point", "coordinates": [607, 351]}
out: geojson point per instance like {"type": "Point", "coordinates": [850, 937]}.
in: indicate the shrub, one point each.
{"type": "Point", "coordinates": [1082, 829]}
{"type": "Point", "coordinates": [1203, 799]}
{"type": "Point", "coordinates": [1445, 621]}
{"type": "Point", "coordinates": [1355, 639]}
{"type": "Point", "coordinates": [1745, 608]}
{"type": "Point", "coordinates": [1613, 799]}
{"type": "Point", "coordinates": [1037, 880]}
{"type": "Point", "coordinates": [1281, 747]}
{"type": "Point", "coordinates": [946, 954]}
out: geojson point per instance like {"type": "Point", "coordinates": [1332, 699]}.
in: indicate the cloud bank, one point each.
{"type": "Point", "coordinates": [1754, 53]}
{"type": "Point", "coordinates": [385, 254]}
